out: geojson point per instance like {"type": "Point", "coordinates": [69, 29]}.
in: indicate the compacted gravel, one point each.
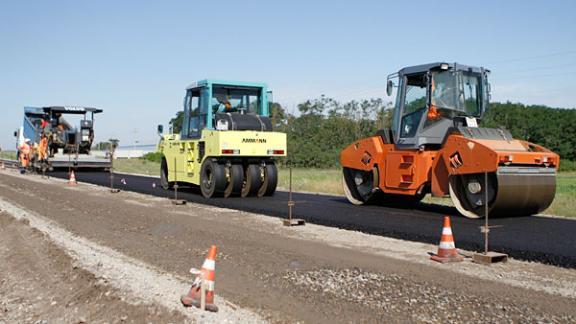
{"type": "Point", "coordinates": [399, 296]}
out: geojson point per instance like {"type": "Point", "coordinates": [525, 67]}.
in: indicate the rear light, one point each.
{"type": "Point", "coordinates": [546, 160]}
{"type": "Point", "coordinates": [507, 159]}
{"type": "Point", "coordinates": [230, 151]}
{"type": "Point", "coordinates": [275, 152]}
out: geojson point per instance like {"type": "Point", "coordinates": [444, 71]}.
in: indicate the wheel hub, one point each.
{"type": "Point", "coordinates": [474, 187]}
{"type": "Point", "coordinates": [358, 179]}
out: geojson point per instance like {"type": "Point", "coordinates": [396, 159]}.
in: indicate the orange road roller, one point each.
{"type": "Point", "coordinates": [435, 146]}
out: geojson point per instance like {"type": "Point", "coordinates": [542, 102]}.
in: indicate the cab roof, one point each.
{"type": "Point", "coordinates": [62, 109]}
{"type": "Point", "coordinates": [438, 65]}
{"type": "Point", "coordinates": [210, 82]}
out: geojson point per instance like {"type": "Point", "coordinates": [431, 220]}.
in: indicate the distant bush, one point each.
{"type": "Point", "coordinates": [152, 157]}
{"type": "Point", "coordinates": [552, 128]}
{"type": "Point", "coordinates": [567, 165]}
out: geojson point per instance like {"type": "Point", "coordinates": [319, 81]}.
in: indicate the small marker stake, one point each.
{"type": "Point", "coordinates": [291, 221]}
{"type": "Point", "coordinates": [488, 257]}
{"type": "Point", "coordinates": [112, 189]}
{"type": "Point", "coordinates": [176, 201]}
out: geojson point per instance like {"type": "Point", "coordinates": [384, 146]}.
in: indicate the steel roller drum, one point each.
{"type": "Point", "coordinates": [512, 191]}
{"type": "Point", "coordinates": [524, 190]}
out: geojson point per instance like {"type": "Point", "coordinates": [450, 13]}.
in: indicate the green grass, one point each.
{"type": "Point", "coordinates": [312, 180]}
{"type": "Point", "coordinates": [330, 181]}
{"type": "Point", "coordinates": [139, 166]}
{"type": "Point", "coordinates": [565, 200]}
{"type": "Point", "coordinates": [9, 155]}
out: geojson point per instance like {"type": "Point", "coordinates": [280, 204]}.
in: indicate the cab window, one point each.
{"type": "Point", "coordinates": [196, 118]}
{"type": "Point", "coordinates": [414, 104]}
{"type": "Point", "coordinates": [236, 100]}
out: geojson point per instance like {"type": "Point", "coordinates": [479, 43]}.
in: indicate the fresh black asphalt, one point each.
{"type": "Point", "coordinates": [542, 239]}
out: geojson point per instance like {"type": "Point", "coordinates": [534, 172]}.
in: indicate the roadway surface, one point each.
{"type": "Point", "coordinates": [542, 239]}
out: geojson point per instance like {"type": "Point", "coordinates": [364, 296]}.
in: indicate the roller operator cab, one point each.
{"type": "Point", "coordinates": [226, 145]}
{"type": "Point", "coordinates": [435, 146]}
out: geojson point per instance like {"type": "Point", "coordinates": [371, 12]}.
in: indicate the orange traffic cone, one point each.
{"type": "Point", "coordinates": [72, 180]}
{"type": "Point", "coordinates": [204, 281]}
{"type": "Point", "coordinates": [447, 250]}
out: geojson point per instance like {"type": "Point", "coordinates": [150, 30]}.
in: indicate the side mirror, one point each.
{"type": "Point", "coordinates": [15, 133]}
{"type": "Point", "coordinates": [270, 97]}
{"type": "Point", "coordinates": [160, 129]}
{"type": "Point", "coordinates": [389, 87]}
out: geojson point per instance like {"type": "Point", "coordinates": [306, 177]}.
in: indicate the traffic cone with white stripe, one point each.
{"type": "Point", "coordinates": [72, 180]}
{"type": "Point", "coordinates": [203, 284]}
{"type": "Point", "coordinates": [447, 249]}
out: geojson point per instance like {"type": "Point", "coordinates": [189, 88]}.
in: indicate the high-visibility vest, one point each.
{"type": "Point", "coordinates": [42, 148]}
{"type": "Point", "coordinates": [25, 148]}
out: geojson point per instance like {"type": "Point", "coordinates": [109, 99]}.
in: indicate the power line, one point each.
{"type": "Point", "coordinates": [540, 68]}
{"type": "Point", "coordinates": [538, 76]}
{"type": "Point", "coordinates": [374, 87]}
{"type": "Point", "coordinates": [534, 57]}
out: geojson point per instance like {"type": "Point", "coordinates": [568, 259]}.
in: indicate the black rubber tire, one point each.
{"type": "Point", "coordinates": [352, 189]}
{"type": "Point", "coordinates": [270, 181]}
{"type": "Point", "coordinates": [464, 201]}
{"type": "Point", "coordinates": [212, 179]}
{"type": "Point", "coordinates": [234, 186]}
{"type": "Point", "coordinates": [164, 183]}
{"type": "Point", "coordinates": [252, 181]}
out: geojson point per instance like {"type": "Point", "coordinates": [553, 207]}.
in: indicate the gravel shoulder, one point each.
{"type": "Point", "coordinates": [311, 274]}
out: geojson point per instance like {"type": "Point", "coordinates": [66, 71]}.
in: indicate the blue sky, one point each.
{"type": "Point", "coordinates": [133, 58]}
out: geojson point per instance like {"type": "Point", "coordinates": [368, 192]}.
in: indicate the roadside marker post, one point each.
{"type": "Point", "coordinates": [203, 286]}
{"type": "Point", "coordinates": [488, 257]}
{"type": "Point", "coordinates": [292, 221]}
{"type": "Point", "coordinates": [176, 201]}
{"type": "Point", "coordinates": [112, 189]}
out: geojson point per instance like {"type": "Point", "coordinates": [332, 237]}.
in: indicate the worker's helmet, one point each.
{"type": "Point", "coordinates": [26, 140]}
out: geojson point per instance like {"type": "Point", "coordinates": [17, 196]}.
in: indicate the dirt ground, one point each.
{"type": "Point", "coordinates": [40, 283]}
{"type": "Point", "coordinates": [281, 274]}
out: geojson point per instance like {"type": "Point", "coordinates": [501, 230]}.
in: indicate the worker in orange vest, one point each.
{"type": "Point", "coordinates": [25, 155]}
{"type": "Point", "coordinates": [42, 152]}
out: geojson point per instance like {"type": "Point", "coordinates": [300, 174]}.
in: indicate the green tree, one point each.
{"type": "Point", "coordinates": [278, 116]}
{"type": "Point", "coordinates": [176, 122]}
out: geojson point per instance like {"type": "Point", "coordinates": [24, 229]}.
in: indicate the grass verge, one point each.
{"type": "Point", "coordinates": [8, 155]}
{"type": "Point", "coordinates": [138, 166]}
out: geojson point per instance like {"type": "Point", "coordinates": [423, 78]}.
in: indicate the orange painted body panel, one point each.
{"type": "Point", "coordinates": [400, 171]}
{"type": "Point", "coordinates": [353, 156]}
{"type": "Point", "coordinates": [407, 171]}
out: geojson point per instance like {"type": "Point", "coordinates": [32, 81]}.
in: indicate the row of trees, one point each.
{"type": "Point", "coordinates": [553, 128]}
{"type": "Point", "coordinates": [324, 126]}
